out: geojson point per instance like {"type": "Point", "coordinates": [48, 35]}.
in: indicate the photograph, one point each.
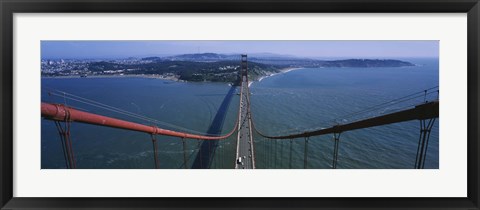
{"type": "Point", "coordinates": [240, 104]}
{"type": "Point", "coordinates": [261, 104]}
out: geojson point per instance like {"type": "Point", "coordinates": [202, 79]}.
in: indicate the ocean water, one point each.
{"type": "Point", "coordinates": [300, 100]}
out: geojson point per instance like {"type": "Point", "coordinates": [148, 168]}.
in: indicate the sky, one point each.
{"type": "Point", "coordinates": [312, 49]}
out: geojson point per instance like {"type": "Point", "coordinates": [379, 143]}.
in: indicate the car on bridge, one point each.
{"type": "Point", "coordinates": [239, 161]}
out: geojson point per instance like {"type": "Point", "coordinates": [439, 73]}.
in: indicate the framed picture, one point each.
{"type": "Point", "coordinates": [265, 104]}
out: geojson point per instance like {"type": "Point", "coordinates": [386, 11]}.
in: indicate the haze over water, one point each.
{"type": "Point", "coordinates": [286, 103]}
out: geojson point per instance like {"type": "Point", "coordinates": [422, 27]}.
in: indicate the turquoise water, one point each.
{"type": "Point", "coordinates": [299, 100]}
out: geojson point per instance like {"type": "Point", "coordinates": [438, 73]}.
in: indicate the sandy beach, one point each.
{"type": "Point", "coordinates": [282, 71]}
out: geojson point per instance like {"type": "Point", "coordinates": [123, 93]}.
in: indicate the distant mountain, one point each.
{"type": "Point", "coordinates": [152, 59]}
{"type": "Point", "coordinates": [272, 55]}
{"type": "Point", "coordinates": [366, 63]}
{"type": "Point", "coordinates": [203, 57]}
{"type": "Point", "coordinates": [276, 59]}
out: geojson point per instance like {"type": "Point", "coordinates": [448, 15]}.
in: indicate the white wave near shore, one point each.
{"type": "Point", "coordinates": [282, 71]}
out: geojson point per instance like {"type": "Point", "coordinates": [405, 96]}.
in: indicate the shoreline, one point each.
{"type": "Point", "coordinates": [282, 71]}
{"type": "Point", "coordinates": [170, 78]}
{"type": "Point", "coordinates": [118, 76]}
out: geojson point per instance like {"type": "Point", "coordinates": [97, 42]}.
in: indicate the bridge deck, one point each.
{"type": "Point", "coordinates": [245, 138]}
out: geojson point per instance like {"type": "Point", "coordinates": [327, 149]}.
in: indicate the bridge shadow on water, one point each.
{"type": "Point", "coordinates": [208, 148]}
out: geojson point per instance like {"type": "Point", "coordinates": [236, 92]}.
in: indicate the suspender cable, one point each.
{"type": "Point", "coordinates": [266, 152]}
{"type": "Point", "coordinates": [155, 151]}
{"type": "Point", "coordinates": [69, 140]}
{"type": "Point", "coordinates": [281, 154]}
{"type": "Point", "coordinates": [222, 152]}
{"type": "Point", "coordinates": [305, 157]}
{"type": "Point", "coordinates": [425, 96]}
{"type": "Point", "coordinates": [426, 144]}
{"type": "Point", "coordinates": [424, 136]}
{"type": "Point", "coordinates": [431, 122]}
{"type": "Point", "coordinates": [200, 151]}
{"type": "Point", "coordinates": [62, 140]}
{"type": "Point", "coordinates": [422, 147]}
{"type": "Point", "coordinates": [209, 154]}
{"type": "Point", "coordinates": [215, 157]}
{"type": "Point", "coordinates": [64, 133]}
{"type": "Point", "coordinates": [336, 137]}
{"type": "Point", "coordinates": [275, 154]}
{"type": "Point", "coordinates": [184, 153]}
{"type": "Point", "coordinates": [220, 157]}
{"type": "Point", "coordinates": [419, 143]}
{"type": "Point", "coordinates": [290, 157]}
{"type": "Point", "coordinates": [267, 142]}
{"type": "Point", "coordinates": [70, 148]}
{"type": "Point", "coordinates": [263, 152]}
{"type": "Point", "coordinates": [271, 152]}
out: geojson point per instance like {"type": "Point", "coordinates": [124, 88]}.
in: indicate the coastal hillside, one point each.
{"type": "Point", "coordinates": [201, 67]}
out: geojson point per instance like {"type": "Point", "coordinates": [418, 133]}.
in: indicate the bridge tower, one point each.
{"type": "Point", "coordinates": [244, 67]}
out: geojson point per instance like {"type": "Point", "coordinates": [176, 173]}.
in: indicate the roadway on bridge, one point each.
{"type": "Point", "coordinates": [245, 140]}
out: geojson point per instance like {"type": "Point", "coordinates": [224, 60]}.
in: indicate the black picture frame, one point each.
{"type": "Point", "coordinates": [9, 7]}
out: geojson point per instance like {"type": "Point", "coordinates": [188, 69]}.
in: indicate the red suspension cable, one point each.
{"type": "Point", "coordinates": [61, 112]}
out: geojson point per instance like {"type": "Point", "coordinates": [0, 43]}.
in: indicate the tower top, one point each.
{"type": "Point", "coordinates": [244, 66]}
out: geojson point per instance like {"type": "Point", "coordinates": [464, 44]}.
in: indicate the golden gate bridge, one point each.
{"type": "Point", "coordinates": [426, 113]}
